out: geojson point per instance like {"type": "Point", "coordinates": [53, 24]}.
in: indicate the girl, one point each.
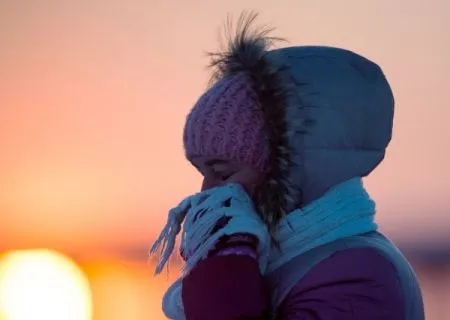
{"type": "Point", "coordinates": [283, 228]}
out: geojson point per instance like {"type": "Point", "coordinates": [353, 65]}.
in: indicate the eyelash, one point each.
{"type": "Point", "coordinates": [225, 177]}
{"type": "Point", "coordinates": [221, 175]}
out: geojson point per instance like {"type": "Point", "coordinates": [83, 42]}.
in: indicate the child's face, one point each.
{"type": "Point", "coordinates": [217, 172]}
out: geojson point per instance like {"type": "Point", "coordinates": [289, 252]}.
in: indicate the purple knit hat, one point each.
{"type": "Point", "coordinates": [227, 122]}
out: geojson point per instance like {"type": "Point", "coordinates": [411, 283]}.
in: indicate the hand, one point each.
{"type": "Point", "coordinates": [217, 213]}
{"type": "Point", "coordinates": [209, 216]}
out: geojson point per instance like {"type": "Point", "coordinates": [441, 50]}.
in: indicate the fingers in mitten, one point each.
{"type": "Point", "coordinates": [202, 197]}
{"type": "Point", "coordinates": [199, 214]}
{"type": "Point", "coordinates": [222, 222]}
{"type": "Point", "coordinates": [227, 202]}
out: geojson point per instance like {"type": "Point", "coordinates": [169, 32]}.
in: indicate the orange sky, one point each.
{"type": "Point", "coordinates": [93, 96]}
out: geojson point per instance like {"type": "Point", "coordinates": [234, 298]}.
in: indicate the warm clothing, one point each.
{"type": "Point", "coordinates": [355, 277]}
{"type": "Point", "coordinates": [328, 114]}
{"type": "Point", "coordinates": [352, 284]}
{"type": "Point", "coordinates": [314, 261]}
{"type": "Point", "coordinates": [225, 288]}
{"type": "Point", "coordinates": [336, 223]}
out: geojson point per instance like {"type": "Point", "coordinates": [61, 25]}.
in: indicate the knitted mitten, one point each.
{"type": "Point", "coordinates": [209, 217]}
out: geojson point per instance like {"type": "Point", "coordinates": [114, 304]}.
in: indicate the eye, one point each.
{"type": "Point", "coordinates": [224, 177]}
{"type": "Point", "coordinates": [221, 175]}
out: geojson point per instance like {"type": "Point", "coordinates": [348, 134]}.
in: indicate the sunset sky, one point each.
{"type": "Point", "coordinates": [93, 97]}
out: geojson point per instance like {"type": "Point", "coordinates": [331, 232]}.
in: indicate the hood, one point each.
{"type": "Point", "coordinates": [328, 112]}
{"type": "Point", "coordinates": [347, 106]}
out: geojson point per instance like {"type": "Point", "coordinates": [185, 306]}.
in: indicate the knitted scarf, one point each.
{"type": "Point", "coordinates": [345, 210]}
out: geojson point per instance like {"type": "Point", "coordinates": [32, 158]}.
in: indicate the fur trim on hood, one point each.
{"type": "Point", "coordinates": [328, 113]}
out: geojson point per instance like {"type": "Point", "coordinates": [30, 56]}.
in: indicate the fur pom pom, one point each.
{"type": "Point", "coordinates": [244, 50]}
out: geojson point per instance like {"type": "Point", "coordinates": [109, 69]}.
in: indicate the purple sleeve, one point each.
{"type": "Point", "coordinates": [225, 288]}
{"type": "Point", "coordinates": [352, 284]}
{"type": "Point", "coordinates": [227, 285]}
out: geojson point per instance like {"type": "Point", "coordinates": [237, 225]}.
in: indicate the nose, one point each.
{"type": "Point", "coordinates": [209, 183]}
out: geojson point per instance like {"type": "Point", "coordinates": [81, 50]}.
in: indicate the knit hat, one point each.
{"type": "Point", "coordinates": [227, 122]}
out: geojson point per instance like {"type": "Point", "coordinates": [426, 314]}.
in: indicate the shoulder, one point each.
{"type": "Point", "coordinates": [355, 262]}
{"type": "Point", "coordinates": [353, 283]}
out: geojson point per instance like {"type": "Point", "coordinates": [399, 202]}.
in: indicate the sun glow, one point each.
{"type": "Point", "coordinates": [43, 285]}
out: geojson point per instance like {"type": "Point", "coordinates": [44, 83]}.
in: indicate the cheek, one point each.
{"type": "Point", "coordinates": [248, 180]}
